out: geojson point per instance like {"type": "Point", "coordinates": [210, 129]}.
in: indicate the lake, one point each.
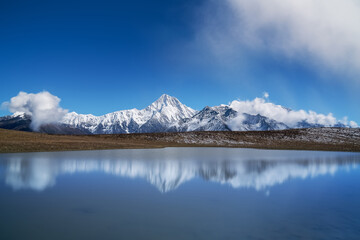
{"type": "Point", "coordinates": [180, 193]}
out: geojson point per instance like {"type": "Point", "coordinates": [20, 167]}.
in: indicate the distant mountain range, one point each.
{"type": "Point", "coordinates": [167, 114]}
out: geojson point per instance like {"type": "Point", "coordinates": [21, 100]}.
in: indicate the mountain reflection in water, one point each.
{"type": "Point", "coordinates": [168, 168]}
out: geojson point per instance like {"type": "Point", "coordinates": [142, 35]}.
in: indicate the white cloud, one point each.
{"type": "Point", "coordinates": [284, 115]}
{"type": "Point", "coordinates": [353, 124]}
{"type": "Point", "coordinates": [43, 107]}
{"type": "Point", "coordinates": [322, 32]}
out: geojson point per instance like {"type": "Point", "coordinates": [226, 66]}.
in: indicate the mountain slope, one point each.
{"type": "Point", "coordinates": [17, 121]}
{"type": "Point", "coordinates": [22, 122]}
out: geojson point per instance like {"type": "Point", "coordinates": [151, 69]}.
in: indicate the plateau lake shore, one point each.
{"type": "Point", "coordinates": [325, 139]}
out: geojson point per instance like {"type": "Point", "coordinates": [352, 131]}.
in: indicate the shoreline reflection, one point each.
{"type": "Point", "coordinates": [169, 168]}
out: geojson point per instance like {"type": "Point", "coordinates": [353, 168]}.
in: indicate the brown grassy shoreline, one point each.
{"type": "Point", "coordinates": [325, 139]}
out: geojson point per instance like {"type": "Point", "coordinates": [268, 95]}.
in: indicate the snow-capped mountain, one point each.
{"type": "Point", "coordinates": [157, 117]}
{"type": "Point", "coordinates": [168, 114]}
{"type": "Point", "coordinates": [224, 118]}
{"type": "Point", "coordinates": [17, 121]}
{"type": "Point", "coordinates": [208, 119]}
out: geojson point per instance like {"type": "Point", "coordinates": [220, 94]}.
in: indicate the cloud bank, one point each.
{"type": "Point", "coordinates": [319, 32]}
{"type": "Point", "coordinates": [281, 114]}
{"type": "Point", "coordinates": [43, 107]}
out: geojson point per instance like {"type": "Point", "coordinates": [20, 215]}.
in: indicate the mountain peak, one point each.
{"type": "Point", "coordinates": [166, 97]}
{"type": "Point", "coordinates": [19, 114]}
{"type": "Point", "coordinates": [165, 101]}
{"type": "Point", "coordinates": [171, 108]}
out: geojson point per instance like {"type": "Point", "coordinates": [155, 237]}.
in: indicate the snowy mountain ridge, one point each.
{"type": "Point", "coordinates": [156, 117]}
{"type": "Point", "coordinates": [168, 114]}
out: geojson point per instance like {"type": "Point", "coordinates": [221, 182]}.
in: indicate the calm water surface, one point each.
{"type": "Point", "coordinates": [180, 193]}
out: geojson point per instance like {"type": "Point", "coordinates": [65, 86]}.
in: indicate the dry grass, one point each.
{"type": "Point", "coordinates": [330, 139]}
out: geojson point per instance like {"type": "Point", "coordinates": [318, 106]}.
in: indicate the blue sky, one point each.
{"type": "Point", "coordinates": [103, 56]}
